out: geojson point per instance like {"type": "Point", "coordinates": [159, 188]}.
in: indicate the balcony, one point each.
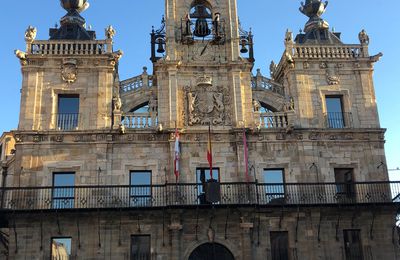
{"type": "Point", "coordinates": [67, 122]}
{"type": "Point", "coordinates": [338, 120]}
{"type": "Point", "coordinates": [189, 195]}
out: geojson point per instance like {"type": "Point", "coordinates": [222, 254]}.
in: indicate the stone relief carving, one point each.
{"type": "Point", "coordinates": [332, 75]}
{"type": "Point", "coordinates": [69, 71]}
{"type": "Point", "coordinates": [30, 34]}
{"type": "Point", "coordinates": [207, 104]}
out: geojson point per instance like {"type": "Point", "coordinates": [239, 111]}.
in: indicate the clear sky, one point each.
{"type": "Point", "coordinates": [269, 20]}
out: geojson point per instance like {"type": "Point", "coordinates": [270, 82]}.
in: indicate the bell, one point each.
{"type": "Point", "coordinates": [244, 46]}
{"type": "Point", "coordinates": [160, 46]}
{"type": "Point", "coordinates": [201, 28]}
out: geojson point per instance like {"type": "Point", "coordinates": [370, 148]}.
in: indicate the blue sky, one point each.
{"type": "Point", "coordinates": [269, 20]}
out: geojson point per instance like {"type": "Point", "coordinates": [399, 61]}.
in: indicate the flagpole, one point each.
{"type": "Point", "coordinates": [245, 155]}
{"type": "Point", "coordinates": [209, 152]}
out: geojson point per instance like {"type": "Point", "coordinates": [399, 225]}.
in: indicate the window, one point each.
{"type": "Point", "coordinates": [274, 185]}
{"type": "Point", "coordinates": [68, 112]}
{"type": "Point", "coordinates": [334, 112]}
{"type": "Point", "coordinates": [1, 152]}
{"type": "Point", "coordinates": [140, 247]}
{"type": "Point", "coordinates": [344, 182]}
{"type": "Point", "coordinates": [279, 245]}
{"type": "Point", "coordinates": [352, 244]}
{"type": "Point", "coordinates": [140, 188]}
{"type": "Point", "coordinates": [61, 248]}
{"type": "Point", "coordinates": [63, 192]}
{"type": "Point", "coordinates": [203, 177]}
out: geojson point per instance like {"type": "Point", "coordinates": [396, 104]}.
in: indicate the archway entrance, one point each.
{"type": "Point", "coordinates": [211, 251]}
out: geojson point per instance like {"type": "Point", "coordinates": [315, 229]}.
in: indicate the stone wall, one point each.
{"type": "Point", "coordinates": [313, 233]}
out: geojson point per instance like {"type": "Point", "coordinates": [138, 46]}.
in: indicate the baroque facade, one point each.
{"type": "Point", "coordinates": [298, 162]}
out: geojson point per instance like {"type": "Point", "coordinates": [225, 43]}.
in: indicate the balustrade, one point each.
{"type": "Point", "coordinates": [276, 119]}
{"type": "Point", "coordinates": [139, 120]}
{"type": "Point", "coordinates": [70, 47]}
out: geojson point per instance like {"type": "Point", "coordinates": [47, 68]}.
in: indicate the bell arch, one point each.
{"type": "Point", "coordinates": [211, 251]}
{"type": "Point", "coordinates": [201, 17]}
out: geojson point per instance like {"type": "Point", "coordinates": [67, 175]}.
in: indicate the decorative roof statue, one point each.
{"type": "Point", "coordinates": [30, 34]}
{"type": "Point", "coordinates": [363, 37]}
{"type": "Point", "coordinates": [314, 9]}
{"type": "Point", "coordinates": [110, 32]}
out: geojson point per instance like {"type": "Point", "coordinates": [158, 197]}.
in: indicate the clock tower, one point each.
{"type": "Point", "coordinates": [202, 60]}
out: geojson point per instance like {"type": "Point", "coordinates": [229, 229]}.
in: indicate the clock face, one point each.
{"type": "Point", "coordinates": [203, 52]}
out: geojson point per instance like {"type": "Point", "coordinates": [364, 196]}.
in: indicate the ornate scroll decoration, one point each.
{"type": "Point", "coordinates": [207, 104]}
{"type": "Point", "coordinates": [69, 71]}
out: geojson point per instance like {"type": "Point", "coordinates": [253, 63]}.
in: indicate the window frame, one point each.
{"type": "Point", "coordinates": [335, 120]}
{"type": "Point", "coordinates": [345, 188]}
{"type": "Point", "coordinates": [272, 197]}
{"type": "Point", "coordinates": [60, 237]}
{"type": "Point", "coordinates": [149, 246]}
{"type": "Point", "coordinates": [360, 253]}
{"type": "Point", "coordinates": [279, 257]}
{"type": "Point", "coordinates": [68, 121]}
{"type": "Point", "coordinates": [141, 199]}
{"type": "Point", "coordinates": [59, 199]}
{"type": "Point", "coordinates": [201, 187]}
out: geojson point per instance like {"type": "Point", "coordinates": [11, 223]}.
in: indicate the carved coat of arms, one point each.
{"type": "Point", "coordinates": [69, 71]}
{"type": "Point", "coordinates": [206, 104]}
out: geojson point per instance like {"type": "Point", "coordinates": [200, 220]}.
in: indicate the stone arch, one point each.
{"type": "Point", "coordinates": [204, 3]}
{"type": "Point", "coordinates": [229, 247]}
{"type": "Point", "coordinates": [271, 100]}
{"type": "Point", "coordinates": [135, 99]}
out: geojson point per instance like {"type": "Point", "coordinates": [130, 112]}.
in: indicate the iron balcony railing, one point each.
{"type": "Point", "coordinates": [183, 195]}
{"type": "Point", "coordinates": [67, 122]}
{"type": "Point", "coordinates": [339, 120]}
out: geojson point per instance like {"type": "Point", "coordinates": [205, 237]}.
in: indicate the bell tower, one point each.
{"type": "Point", "coordinates": [202, 61]}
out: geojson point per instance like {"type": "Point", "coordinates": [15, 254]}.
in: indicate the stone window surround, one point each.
{"type": "Point", "coordinates": [345, 94]}
{"type": "Point", "coordinates": [61, 91]}
{"type": "Point", "coordinates": [350, 165]}
{"type": "Point", "coordinates": [149, 167]}
{"type": "Point", "coordinates": [59, 168]}
{"type": "Point", "coordinates": [261, 167]}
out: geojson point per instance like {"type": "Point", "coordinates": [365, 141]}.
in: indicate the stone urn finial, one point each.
{"type": "Point", "coordinates": [75, 5]}
{"type": "Point", "coordinates": [314, 9]}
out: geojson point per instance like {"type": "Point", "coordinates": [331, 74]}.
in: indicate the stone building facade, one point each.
{"type": "Point", "coordinates": [298, 158]}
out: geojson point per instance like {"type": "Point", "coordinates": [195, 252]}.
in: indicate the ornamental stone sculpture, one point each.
{"type": "Point", "coordinates": [363, 37]}
{"type": "Point", "coordinates": [110, 32]}
{"type": "Point", "coordinates": [30, 34]}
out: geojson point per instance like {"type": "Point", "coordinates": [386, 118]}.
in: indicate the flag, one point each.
{"type": "Point", "coordinates": [209, 152]}
{"type": "Point", "coordinates": [177, 154]}
{"type": "Point", "coordinates": [246, 155]}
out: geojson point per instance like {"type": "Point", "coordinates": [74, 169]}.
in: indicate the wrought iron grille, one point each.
{"type": "Point", "coordinates": [183, 195]}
